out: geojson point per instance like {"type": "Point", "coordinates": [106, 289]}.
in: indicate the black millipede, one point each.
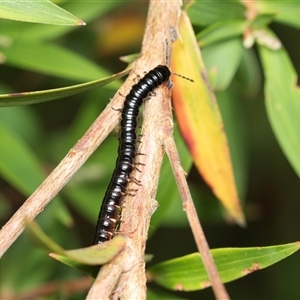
{"type": "Point", "coordinates": [110, 212]}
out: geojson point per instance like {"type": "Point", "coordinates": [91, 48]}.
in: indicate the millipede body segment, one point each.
{"type": "Point", "coordinates": [110, 212]}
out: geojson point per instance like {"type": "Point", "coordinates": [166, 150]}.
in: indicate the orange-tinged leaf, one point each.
{"type": "Point", "coordinates": [200, 120]}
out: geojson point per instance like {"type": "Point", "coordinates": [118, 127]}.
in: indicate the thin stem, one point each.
{"type": "Point", "coordinates": [188, 206]}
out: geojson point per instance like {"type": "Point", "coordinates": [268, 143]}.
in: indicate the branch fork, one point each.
{"type": "Point", "coordinates": [124, 277]}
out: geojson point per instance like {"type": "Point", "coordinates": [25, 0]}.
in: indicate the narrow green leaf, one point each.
{"type": "Point", "coordinates": [221, 31]}
{"type": "Point", "coordinates": [220, 69]}
{"type": "Point", "coordinates": [78, 258]}
{"type": "Point", "coordinates": [282, 101]}
{"type": "Point", "coordinates": [53, 94]}
{"type": "Point", "coordinates": [18, 164]}
{"type": "Point", "coordinates": [61, 212]}
{"type": "Point", "coordinates": [24, 122]}
{"type": "Point", "coordinates": [37, 11]}
{"type": "Point", "coordinates": [86, 12]}
{"type": "Point", "coordinates": [40, 239]}
{"type": "Point", "coordinates": [159, 295]}
{"type": "Point", "coordinates": [33, 31]}
{"type": "Point", "coordinates": [187, 273]}
{"type": "Point", "coordinates": [52, 60]}
{"type": "Point", "coordinates": [90, 270]}
{"type": "Point", "coordinates": [261, 21]}
{"type": "Point", "coordinates": [97, 254]}
{"type": "Point", "coordinates": [205, 13]}
{"type": "Point", "coordinates": [248, 75]}
{"type": "Point", "coordinates": [129, 58]}
{"type": "Point", "coordinates": [286, 12]}
{"type": "Point", "coordinates": [89, 259]}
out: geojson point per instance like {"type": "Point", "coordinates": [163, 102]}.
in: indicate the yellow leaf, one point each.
{"type": "Point", "coordinates": [200, 120]}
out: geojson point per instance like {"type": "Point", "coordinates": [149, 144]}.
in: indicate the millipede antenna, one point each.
{"type": "Point", "coordinates": [168, 62]}
{"type": "Point", "coordinates": [184, 77]}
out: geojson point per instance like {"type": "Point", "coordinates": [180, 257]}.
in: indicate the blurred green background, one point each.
{"type": "Point", "coordinates": [270, 188]}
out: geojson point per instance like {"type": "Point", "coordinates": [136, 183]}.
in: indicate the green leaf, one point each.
{"type": "Point", "coordinates": [32, 31]}
{"type": "Point", "coordinates": [159, 295]}
{"type": "Point", "coordinates": [286, 12]}
{"type": "Point", "coordinates": [52, 60]}
{"type": "Point", "coordinates": [248, 77]}
{"type": "Point", "coordinates": [221, 31]}
{"type": "Point", "coordinates": [97, 254]}
{"type": "Point", "coordinates": [282, 101]}
{"type": "Point", "coordinates": [129, 58]}
{"type": "Point", "coordinates": [90, 270]}
{"type": "Point", "coordinates": [24, 122]}
{"type": "Point", "coordinates": [37, 11]}
{"type": "Point", "coordinates": [261, 21]}
{"type": "Point", "coordinates": [19, 165]}
{"type": "Point", "coordinates": [40, 239]}
{"type": "Point", "coordinates": [205, 13]}
{"type": "Point", "coordinates": [89, 259]}
{"type": "Point", "coordinates": [48, 95]}
{"type": "Point", "coordinates": [83, 258]}
{"type": "Point", "coordinates": [187, 273]}
{"type": "Point", "coordinates": [220, 68]}
{"type": "Point", "coordinates": [61, 212]}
